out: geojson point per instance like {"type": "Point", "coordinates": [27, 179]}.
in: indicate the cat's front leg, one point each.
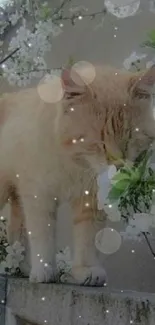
{"type": "Point", "coordinates": [87, 269]}
{"type": "Point", "coordinates": [40, 214]}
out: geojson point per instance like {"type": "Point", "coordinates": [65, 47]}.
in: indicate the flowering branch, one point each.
{"type": "Point", "coordinates": [9, 56]}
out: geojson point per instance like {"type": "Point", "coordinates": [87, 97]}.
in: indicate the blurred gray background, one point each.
{"type": "Point", "coordinates": [89, 41]}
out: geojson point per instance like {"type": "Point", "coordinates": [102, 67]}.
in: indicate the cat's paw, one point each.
{"type": "Point", "coordinates": [86, 276]}
{"type": "Point", "coordinates": [42, 274]}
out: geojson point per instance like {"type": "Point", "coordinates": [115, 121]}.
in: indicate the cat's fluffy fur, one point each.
{"type": "Point", "coordinates": [39, 161]}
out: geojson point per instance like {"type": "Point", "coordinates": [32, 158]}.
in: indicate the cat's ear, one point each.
{"type": "Point", "coordinates": [72, 82]}
{"type": "Point", "coordinates": [142, 84]}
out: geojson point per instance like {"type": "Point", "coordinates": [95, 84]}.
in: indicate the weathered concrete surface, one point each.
{"type": "Point", "coordinates": [69, 305]}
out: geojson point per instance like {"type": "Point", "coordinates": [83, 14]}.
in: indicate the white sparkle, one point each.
{"type": "Point", "coordinates": [55, 199]}
{"type": "Point", "coordinates": [153, 190]}
{"type": "Point", "coordinates": [107, 311]}
{"type": "Point", "coordinates": [38, 255]}
{"type": "Point", "coordinates": [124, 104]}
{"type": "Point", "coordinates": [131, 321]}
{"type": "Point", "coordinates": [105, 284]}
{"type": "Point", "coordinates": [133, 251]}
{"type": "Point", "coordinates": [87, 204]}
{"type": "Point", "coordinates": [61, 25]}
{"type": "Point", "coordinates": [110, 206]}
{"type": "Point", "coordinates": [115, 35]}
{"type": "Point", "coordinates": [122, 291]}
{"type": "Point", "coordinates": [2, 218]}
{"type": "Point", "coordinates": [80, 17]}
{"type": "Point", "coordinates": [82, 139]}
{"type": "Point", "coordinates": [72, 109]}
{"type": "Point", "coordinates": [35, 196]}
{"type": "Point", "coordinates": [2, 301]}
{"type": "Point", "coordinates": [45, 264]}
{"type": "Point", "coordinates": [116, 28]}
{"type": "Point", "coordinates": [17, 175]}
{"type": "Point", "coordinates": [43, 298]}
{"type": "Point", "coordinates": [112, 229]}
{"type": "Point", "coordinates": [29, 44]}
{"type": "Point", "coordinates": [137, 129]}
{"type": "Point", "coordinates": [49, 224]}
{"type": "Point", "coordinates": [74, 141]}
{"type": "Point", "coordinates": [116, 73]}
{"type": "Point", "coordinates": [3, 65]}
{"type": "Point", "coordinates": [45, 321]}
{"type": "Point", "coordinates": [80, 316]}
{"type": "Point", "coordinates": [87, 192]}
{"type": "Point", "coordinates": [41, 260]}
{"type": "Point", "coordinates": [29, 232]}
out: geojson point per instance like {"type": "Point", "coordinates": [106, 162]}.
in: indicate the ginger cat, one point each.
{"type": "Point", "coordinates": [50, 151]}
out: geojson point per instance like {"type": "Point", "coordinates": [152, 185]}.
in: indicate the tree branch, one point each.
{"type": "Point", "coordinates": [70, 18]}
{"type": "Point", "coordinates": [9, 56]}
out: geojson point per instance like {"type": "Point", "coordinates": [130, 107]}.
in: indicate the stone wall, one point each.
{"type": "Point", "coordinates": [55, 304]}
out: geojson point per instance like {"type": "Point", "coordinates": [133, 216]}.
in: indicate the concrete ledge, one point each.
{"type": "Point", "coordinates": [68, 305]}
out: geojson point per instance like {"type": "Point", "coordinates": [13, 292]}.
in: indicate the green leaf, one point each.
{"type": "Point", "coordinates": [71, 61]}
{"type": "Point", "coordinates": [122, 184]}
{"type": "Point", "coordinates": [118, 189]}
{"type": "Point", "coordinates": [152, 35]}
{"type": "Point", "coordinates": [121, 176]}
{"type": "Point", "coordinates": [115, 194]}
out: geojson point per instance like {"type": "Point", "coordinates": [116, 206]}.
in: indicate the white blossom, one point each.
{"type": "Point", "coordinates": [14, 257]}
{"type": "Point", "coordinates": [28, 62]}
{"type": "Point", "coordinates": [132, 58]}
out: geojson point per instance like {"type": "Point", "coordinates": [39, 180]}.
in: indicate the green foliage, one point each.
{"type": "Point", "coordinates": [151, 39]}
{"type": "Point", "coordinates": [45, 12]}
{"type": "Point", "coordinates": [71, 61]}
{"type": "Point", "coordinates": [133, 186]}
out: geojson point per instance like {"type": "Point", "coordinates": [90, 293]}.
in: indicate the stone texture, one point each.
{"type": "Point", "coordinates": [78, 305]}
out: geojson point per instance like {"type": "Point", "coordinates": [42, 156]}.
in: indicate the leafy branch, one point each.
{"type": "Point", "coordinates": [133, 189]}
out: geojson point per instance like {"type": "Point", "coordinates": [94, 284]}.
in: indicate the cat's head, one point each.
{"type": "Point", "coordinates": [110, 119]}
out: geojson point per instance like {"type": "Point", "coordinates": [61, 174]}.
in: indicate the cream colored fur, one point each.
{"type": "Point", "coordinates": [39, 162]}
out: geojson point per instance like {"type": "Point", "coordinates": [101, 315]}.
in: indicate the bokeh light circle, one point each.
{"type": "Point", "coordinates": [122, 8]}
{"type": "Point", "coordinates": [108, 241]}
{"type": "Point", "coordinates": [83, 72]}
{"type": "Point", "coordinates": [50, 89]}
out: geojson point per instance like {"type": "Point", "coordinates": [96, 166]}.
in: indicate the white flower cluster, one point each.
{"type": "Point", "coordinates": [138, 60]}
{"type": "Point", "coordinates": [10, 13]}
{"type": "Point", "coordinates": [13, 258]}
{"type": "Point", "coordinates": [28, 62]}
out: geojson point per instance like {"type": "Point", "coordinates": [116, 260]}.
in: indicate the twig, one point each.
{"type": "Point", "coordinates": [43, 70]}
{"type": "Point", "coordinates": [75, 16]}
{"type": "Point", "coordinates": [72, 18]}
{"type": "Point", "coordinates": [148, 243]}
{"type": "Point", "coordinates": [9, 56]}
{"type": "Point", "coordinates": [64, 3]}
